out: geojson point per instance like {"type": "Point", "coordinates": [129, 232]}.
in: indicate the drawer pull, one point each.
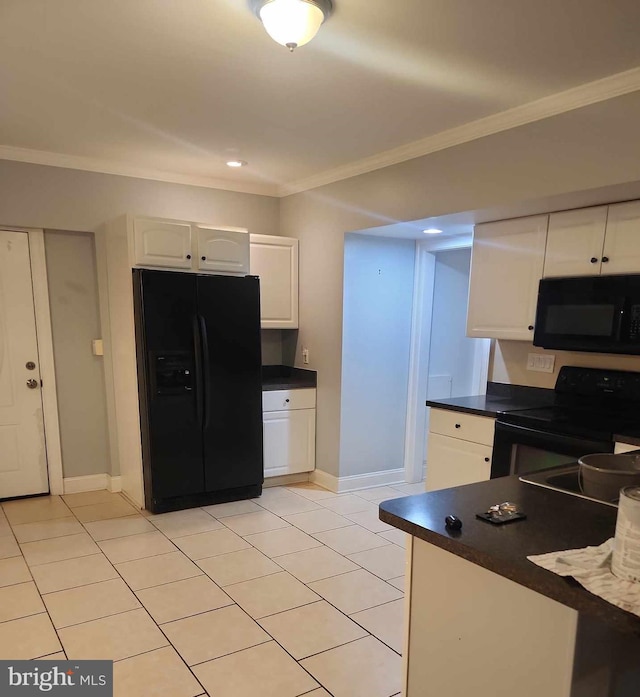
{"type": "Point", "coordinates": [457, 425]}
{"type": "Point", "coordinates": [605, 260]}
{"type": "Point", "coordinates": [286, 401]}
{"type": "Point", "coordinates": [594, 260]}
{"type": "Point", "coordinates": [486, 459]}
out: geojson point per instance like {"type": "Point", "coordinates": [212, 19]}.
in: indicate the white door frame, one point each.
{"type": "Point", "coordinates": [423, 281]}
{"type": "Point", "coordinates": [45, 355]}
{"type": "Point", "coordinates": [423, 285]}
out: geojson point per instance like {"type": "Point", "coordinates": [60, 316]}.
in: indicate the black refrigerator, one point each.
{"type": "Point", "coordinates": [200, 387]}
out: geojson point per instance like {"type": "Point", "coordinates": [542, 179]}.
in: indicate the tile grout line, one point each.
{"type": "Point", "coordinates": [232, 602]}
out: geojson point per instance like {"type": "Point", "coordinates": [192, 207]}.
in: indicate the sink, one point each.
{"type": "Point", "coordinates": [564, 479]}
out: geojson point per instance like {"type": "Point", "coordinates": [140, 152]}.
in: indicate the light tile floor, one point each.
{"type": "Point", "coordinates": [299, 592]}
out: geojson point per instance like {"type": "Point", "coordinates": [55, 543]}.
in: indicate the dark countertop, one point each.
{"type": "Point", "coordinates": [555, 521]}
{"type": "Point", "coordinates": [632, 437]}
{"type": "Point", "coordinates": [499, 398]}
{"type": "Point", "coordinates": [285, 377]}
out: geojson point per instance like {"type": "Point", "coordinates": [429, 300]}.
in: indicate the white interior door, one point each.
{"type": "Point", "coordinates": [23, 462]}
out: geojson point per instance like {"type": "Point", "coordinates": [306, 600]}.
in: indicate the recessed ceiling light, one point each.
{"type": "Point", "coordinates": [236, 163]}
{"type": "Point", "coordinates": [432, 231]}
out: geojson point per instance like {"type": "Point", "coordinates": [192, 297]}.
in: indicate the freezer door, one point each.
{"type": "Point", "coordinates": [229, 313]}
{"type": "Point", "coordinates": [170, 397]}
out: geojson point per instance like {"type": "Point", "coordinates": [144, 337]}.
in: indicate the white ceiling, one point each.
{"type": "Point", "coordinates": [175, 87]}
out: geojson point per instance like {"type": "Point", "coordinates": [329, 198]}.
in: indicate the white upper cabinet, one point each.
{"type": "Point", "coordinates": [223, 250]}
{"type": "Point", "coordinates": [162, 243]}
{"type": "Point", "coordinates": [275, 261]}
{"type": "Point", "coordinates": [506, 268]}
{"type": "Point", "coordinates": [177, 244]}
{"type": "Point", "coordinates": [622, 240]}
{"type": "Point", "coordinates": [574, 243]}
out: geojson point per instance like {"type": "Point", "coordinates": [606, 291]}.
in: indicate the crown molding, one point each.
{"type": "Point", "coordinates": [559, 103]}
{"type": "Point", "coordinates": [90, 164]}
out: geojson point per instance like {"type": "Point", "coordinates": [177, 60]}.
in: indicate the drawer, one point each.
{"type": "Point", "coordinates": [477, 429]}
{"type": "Point", "coordinates": [283, 400]}
{"type": "Point", "coordinates": [455, 462]}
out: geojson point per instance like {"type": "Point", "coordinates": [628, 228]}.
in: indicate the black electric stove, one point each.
{"type": "Point", "coordinates": [590, 406]}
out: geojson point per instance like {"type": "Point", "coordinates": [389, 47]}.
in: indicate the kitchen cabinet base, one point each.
{"type": "Point", "coordinates": [207, 498]}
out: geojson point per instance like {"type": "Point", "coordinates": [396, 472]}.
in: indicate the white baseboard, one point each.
{"type": "Point", "coordinates": [284, 479]}
{"type": "Point", "coordinates": [92, 482]}
{"type": "Point", "coordinates": [355, 482]}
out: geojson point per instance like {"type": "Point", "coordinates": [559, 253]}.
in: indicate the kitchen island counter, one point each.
{"type": "Point", "coordinates": [555, 521]}
{"type": "Point", "coordinates": [480, 617]}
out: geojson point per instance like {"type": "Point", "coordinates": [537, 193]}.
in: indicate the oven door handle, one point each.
{"type": "Point", "coordinates": [506, 435]}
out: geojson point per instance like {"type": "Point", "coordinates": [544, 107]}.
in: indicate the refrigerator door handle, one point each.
{"type": "Point", "coordinates": [207, 370]}
{"type": "Point", "coordinates": [197, 351]}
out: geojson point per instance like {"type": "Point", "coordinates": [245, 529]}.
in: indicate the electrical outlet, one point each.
{"type": "Point", "coordinates": [541, 362]}
{"type": "Point", "coordinates": [305, 355]}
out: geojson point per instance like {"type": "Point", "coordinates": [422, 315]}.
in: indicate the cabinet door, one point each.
{"type": "Point", "coordinates": [160, 243]}
{"type": "Point", "coordinates": [225, 251]}
{"type": "Point", "coordinates": [289, 441]}
{"type": "Point", "coordinates": [506, 268]}
{"type": "Point", "coordinates": [621, 246]}
{"type": "Point", "coordinates": [574, 242]}
{"type": "Point", "coordinates": [275, 260]}
{"type": "Point", "coordinates": [453, 462]}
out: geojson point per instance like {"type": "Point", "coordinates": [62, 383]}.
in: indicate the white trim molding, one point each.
{"type": "Point", "coordinates": [45, 356]}
{"type": "Point", "coordinates": [589, 93]}
{"type": "Point", "coordinates": [420, 343]}
{"type": "Point", "coordinates": [124, 169]}
{"type": "Point", "coordinates": [284, 479]}
{"type": "Point", "coordinates": [356, 482]}
{"type": "Point", "coordinates": [92, 482]}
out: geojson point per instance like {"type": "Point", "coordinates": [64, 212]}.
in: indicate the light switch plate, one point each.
{"type": "Point", "coordinates": [541, 362]}
{"type": "Point", "coordinates": [97, 347]}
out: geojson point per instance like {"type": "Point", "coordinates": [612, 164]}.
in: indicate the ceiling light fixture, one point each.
{"type": "Point", "coordinates": [432, 231]}
{"type": "Point", "coordinates": [236, 163]}
{"type": "Point", "coordinates": [292, 23]}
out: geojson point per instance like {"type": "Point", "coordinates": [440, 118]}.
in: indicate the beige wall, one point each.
{"type": "Point", "coordinates": [509, 360]}
{"type": "Point", "coordinates": [75, 321]}
{"type": "Point", "coordinates": [593, 147]}
{"type": "Point", "coordinates": [54, 198]}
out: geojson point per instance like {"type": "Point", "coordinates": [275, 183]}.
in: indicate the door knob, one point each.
{"type": "Point", "coordinates": [32, 384]}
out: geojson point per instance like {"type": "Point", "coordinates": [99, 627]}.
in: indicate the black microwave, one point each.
{"type": "Point", "coordinates": [589, 313]}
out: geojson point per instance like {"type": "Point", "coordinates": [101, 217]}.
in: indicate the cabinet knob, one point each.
{"type": "Point", "coordinates": [203, 258]}
{"type": "Point", "coordinates": [594, 260]}
{"type": "Point", "coordinates": [530, 327]}
{"type": "Point", "coordinates": [286, 401]}
{"type": "Point", "coordinates": [457, 425]}
{"type": "Point", "coordinates": [605, 260]}
{"type": "Point", "coordinates": [486, 459]}
{"type": "Point", "coordinates": [188, 256]}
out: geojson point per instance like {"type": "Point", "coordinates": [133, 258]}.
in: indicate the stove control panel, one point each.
{"type": "Point", "coordinates": [594, 382]}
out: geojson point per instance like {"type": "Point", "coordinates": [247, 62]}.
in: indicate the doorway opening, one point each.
{"type": "Point", "coordinates": [404, 323]}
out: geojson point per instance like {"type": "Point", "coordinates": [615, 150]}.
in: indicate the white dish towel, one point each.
{"type": "Point", "coordinates": [591, 567]}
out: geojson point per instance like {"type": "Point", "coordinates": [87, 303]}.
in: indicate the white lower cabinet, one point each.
{"type": "Point", "coordinates": [289, 431]}
{"type": "Point", "coordinates": [454, 462]}
{"type": "Point", "coordinates": [459, 449]}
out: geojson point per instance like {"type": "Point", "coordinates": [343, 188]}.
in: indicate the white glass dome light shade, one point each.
{"type": "Point", "coordinates": [292, 23]}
